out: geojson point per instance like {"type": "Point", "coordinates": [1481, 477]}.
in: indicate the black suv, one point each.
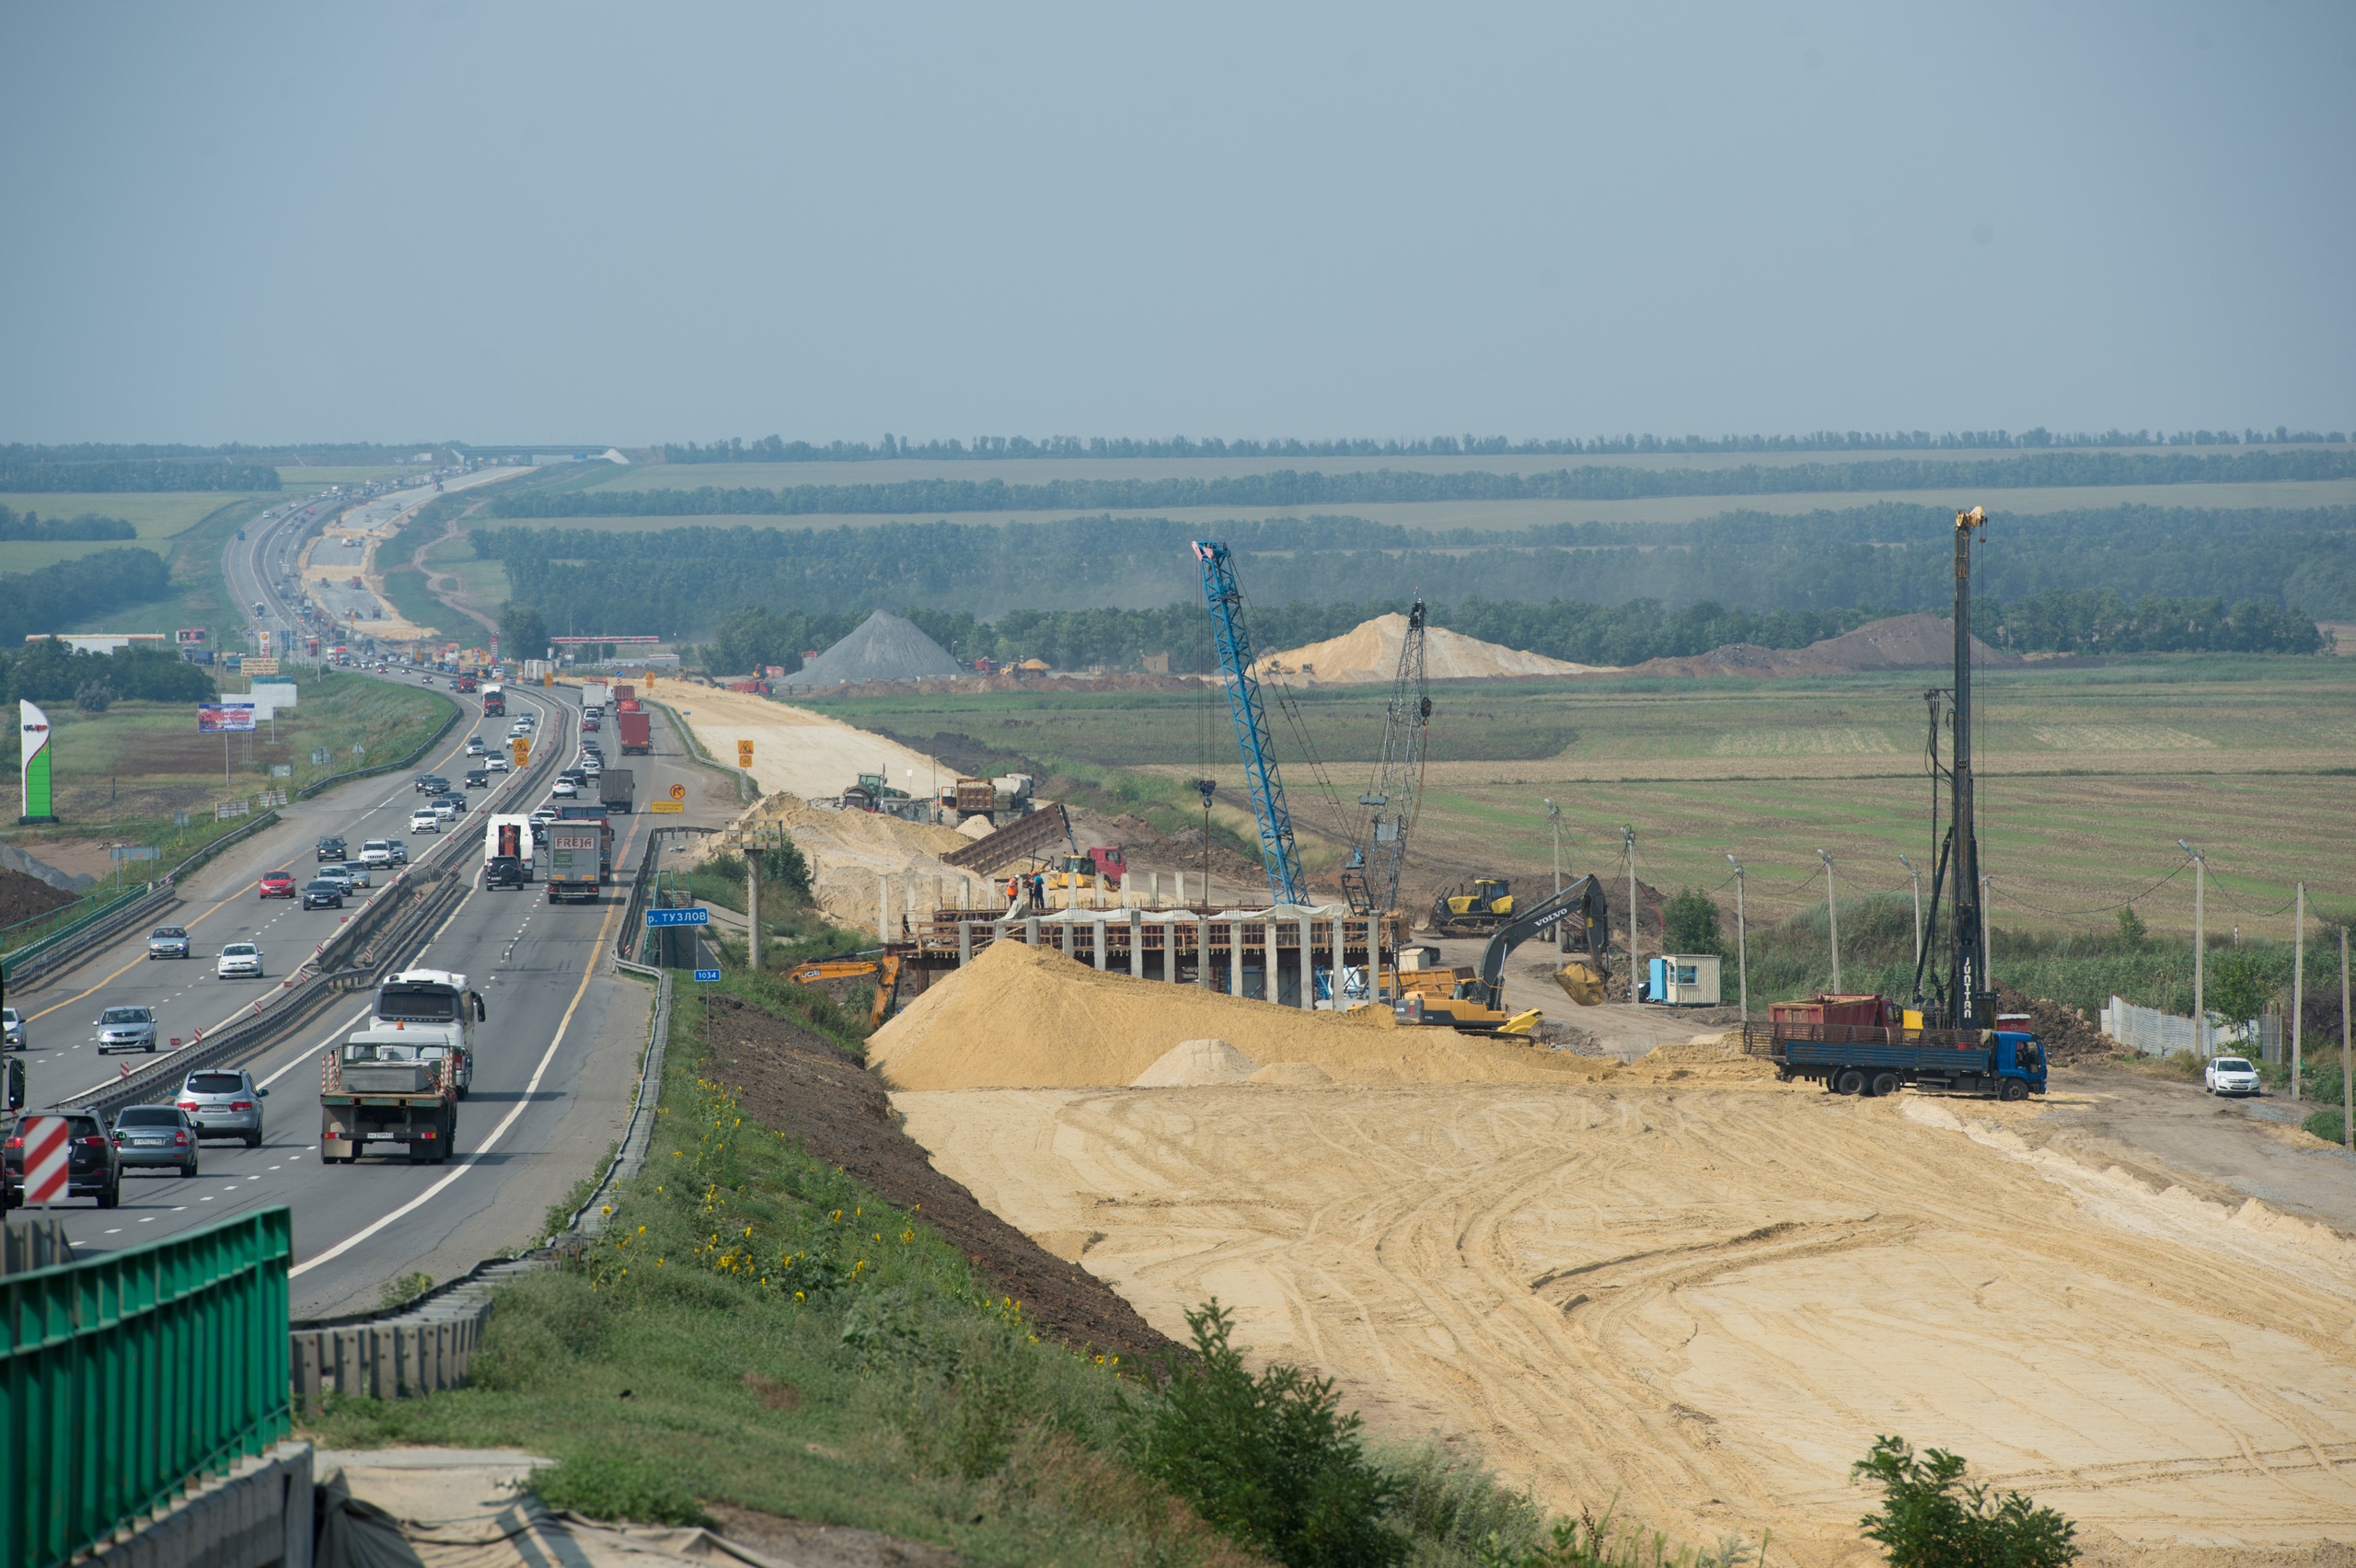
{"type": "Point", "coordinates": [93, 1170]}
{"type": "Point", "coordinates": [332, 848]}
{"type": "Point", "coordinates": [478, 778]}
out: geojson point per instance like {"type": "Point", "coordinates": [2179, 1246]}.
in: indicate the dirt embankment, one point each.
{"type": "Point", "coordinates": [795, 1081]}
{"type": "Point", "coordinates": [856, 856]}
{"type": "Point", "coordinates": [26, 897]}
{"type": "Point", "coordinates": [1902, 642]}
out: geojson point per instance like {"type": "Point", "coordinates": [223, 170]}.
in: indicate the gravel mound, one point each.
{"type": "Point", "coordinates": [884, 647]}
{"type": "Point", "coordinates": [1922, 641]}
{"type": "Point", "coordinates": [1196, 1064]}
{"type": "Point", "coordinates": [1370, 652]}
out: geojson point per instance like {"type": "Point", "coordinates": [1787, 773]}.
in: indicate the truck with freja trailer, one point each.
{"type": "Point", "coordinates": [579, 857]}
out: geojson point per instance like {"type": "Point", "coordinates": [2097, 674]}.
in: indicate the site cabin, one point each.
{"type": "Point", "coordinates": [494, 701]}
{"type": "Point", "coordinates": [1868, 1046]}
{"type": "Point", "coordinates": [580, 856]}
{"type": "Point", "coordinates": [637, 732]}
{"type": "Point", "coordinates": [507, 848]}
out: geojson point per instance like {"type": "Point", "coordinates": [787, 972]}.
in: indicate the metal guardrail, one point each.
{"type": "Point", "coordinates": [626, 942]}
{"type": "Point", "coordinates": [53, 951]}
{"type": "Point", "coordinates": [457, 711]}
{"type": "Point", "coordinates": [134, 1376]}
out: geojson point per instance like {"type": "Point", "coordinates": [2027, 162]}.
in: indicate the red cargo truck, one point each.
{"type": "Point", "coordinates": [637, 731]}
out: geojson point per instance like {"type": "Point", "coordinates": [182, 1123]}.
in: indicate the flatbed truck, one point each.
{"type": "Point", "coordinates": [1882, 1057]}
{"type": "Point", "coordinates": [375, 1092]}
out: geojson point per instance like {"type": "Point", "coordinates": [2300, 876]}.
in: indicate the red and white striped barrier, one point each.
{"type": "Point", "coordinates": [48, 1157]}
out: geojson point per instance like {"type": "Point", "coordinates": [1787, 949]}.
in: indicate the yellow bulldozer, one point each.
{"type": "Point", "coordinates": [1475, 912]}
{"type": "Point", "coordinates": [1470, 999]}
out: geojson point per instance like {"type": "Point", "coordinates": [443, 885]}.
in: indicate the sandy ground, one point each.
{"type": "Point", "coordinates": [795, 750]}
{"type": "Point", "coordinates": [1709, 1299]}
{"type": "Point", "coordinates": [857, 857]}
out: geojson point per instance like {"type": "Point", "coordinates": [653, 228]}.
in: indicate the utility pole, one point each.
{"type": "Point", "coordinates": [1917, 878]}
{"type": "Point", "coordinates": [2346, 1088]}
{"type": "Point", "coordinates": [2298, 983]}
{"type": "Point", "coordinates": [1628, 839]}
{"type": "Point", "coordinates": [1556, 812]}
{"type": "Point", "coordinates": [1741, 941]}
{"type": "Point", "coordinates": [1832, 919]}
{"type": "Point", "coordinates": [2199, 948]}
{"type": "Point", "coordinates": [753, 904]}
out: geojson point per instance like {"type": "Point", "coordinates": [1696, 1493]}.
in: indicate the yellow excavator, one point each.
{"type": "Point", "coordinates": [1487, 906]}
{"type": "Point", "coordinates": [885, 968]}
{"type": "Point", "coordinates": [1475, 1004]}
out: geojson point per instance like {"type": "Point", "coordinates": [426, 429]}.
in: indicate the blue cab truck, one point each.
{"type": "Point", "coordinates": [1868, 1046]}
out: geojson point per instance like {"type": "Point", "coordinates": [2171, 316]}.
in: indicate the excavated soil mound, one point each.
{"type": "Point", "coordinates": [847, 852]}
{"type": "Point", "coordinates": [1021, 1016]}
{"type": "Point", "coordinates": [1369, 651]}
{"type": "Point", "coordinates": [1902, 642]}
{"type": "Point", "coordinates": [26, 898]}
{"type": "Point", "coordinates": [795, 1081]}
{"type": "Point", "coordinates": [2069, 1035]}
{"type": "Point", "coordinates": [1197, 1064]}
{"type": "Point", "coordinates": [884, 647]}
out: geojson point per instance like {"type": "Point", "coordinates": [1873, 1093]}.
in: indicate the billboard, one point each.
{"type": "Point", "coordinates": [231, 715]}
{"type": "Point", "coordinates": [189, 636]}
{"type": "Point", "coordinates": [32, 726]}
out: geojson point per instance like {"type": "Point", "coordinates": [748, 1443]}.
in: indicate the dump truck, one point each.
{"type": "Point", "coordinates": [638, 731]}
{"type": "Point", "coordinates": [577, 858]}
{"type": "Point", "coordinates": [507, 851]}
{"type": "Point", "coordinates": [377, 1088]}
{"type": "Point", "coordinates": [1869, 1046]}
{"type": "Point", "coordinates": [615, 789]}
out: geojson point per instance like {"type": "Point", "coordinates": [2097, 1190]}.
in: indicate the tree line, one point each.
{"type": "Point", "coordinates": [55, 597]}
{"type": "Point", "coordinates": [49, 672]}
{"type": "Point", "coordinates": [128, 474]}
{"type": "Point", "coordinates": [679, 583]}
{"type": "Point", "coordinates": [776, 449]}
{"type": "Point", "coordinates": [1292, 488]}
{"type": "Point", "coordinates": [30, 526]}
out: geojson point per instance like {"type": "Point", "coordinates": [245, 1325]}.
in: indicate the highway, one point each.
{"type": "Point", "coordinates": [556, 1059]}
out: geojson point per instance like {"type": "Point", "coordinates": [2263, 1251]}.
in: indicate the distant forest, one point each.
{"type": "Point", "coordinates": [2093, 620]}
{"type": "Point", "coordinates": [132, 474]}
{"type": "Point", "coordinates": [681, 582]}
{"type": "Point", "coordinates": [30, 526]}
{"type": "Point", "coordinates": [55, 597]}
{"type": "Point", "coordinates": [776, 449]}
{"type": "Point", "coordinates": [1287, 487]}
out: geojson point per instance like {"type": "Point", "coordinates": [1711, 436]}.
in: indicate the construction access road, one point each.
{"type": "Point", "coordinates": [555, 1062]}
{"type": "Point", "coordinates": [1701, 1298]}
{"type": "Point", "coordinates": [795, 750]}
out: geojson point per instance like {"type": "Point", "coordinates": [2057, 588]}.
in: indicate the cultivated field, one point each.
{"type": "Point", "coordinates": [157, 517]}
{"type": "Point", "coordinates": [2091, 776]}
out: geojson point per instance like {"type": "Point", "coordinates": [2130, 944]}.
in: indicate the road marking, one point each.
{"type": "Point", "coordinates": [588, 973]}
{"type": "Point", "coordinates": [135, 962]}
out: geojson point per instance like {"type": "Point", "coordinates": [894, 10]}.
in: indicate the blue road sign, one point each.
{"type": "Point", "coordinates": [678, 917]}
{"type": "Point", "coordinates": [707, 974]}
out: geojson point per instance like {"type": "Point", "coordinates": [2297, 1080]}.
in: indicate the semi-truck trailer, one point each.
{"type": "Point", "coordinates": [1867, 1045]}
{"type": "Point", "coordinates": [615, 788]}
{"type": "Point", "coordinates": [577, 858]}
{"type": "Point", "coordinates": [594, 697]}
{"type": "Point", "coordinates": [494, 700]}
{"type": "Point", "coordinates": [638, 731]}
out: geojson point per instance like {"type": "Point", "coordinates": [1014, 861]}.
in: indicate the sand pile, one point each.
{"type": "Point", "coordinates": [1902, 642]}
{"type": "Point", "coordinates": [884, 647]}
{"type": "Point", "coordinates": [848, 850]}
{"type": "Point", "coordinates": [1197, 1064]}
{"type": "Point", "coordinates": [1021, 1016]}
{"type": "Point", "coordinates": [1370, 652]}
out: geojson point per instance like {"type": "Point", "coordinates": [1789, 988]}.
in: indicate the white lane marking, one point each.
{"type": "Point", "coordinates": [564, 1026]}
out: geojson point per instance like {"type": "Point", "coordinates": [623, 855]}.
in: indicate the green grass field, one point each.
{"type": "Point", "coordinates": [160, 519]}
{"type": "Point", "coordinates": [2089, 777]}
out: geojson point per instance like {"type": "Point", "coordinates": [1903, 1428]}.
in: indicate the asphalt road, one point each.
{"type": "Point", "coordinates": [555, 1063]}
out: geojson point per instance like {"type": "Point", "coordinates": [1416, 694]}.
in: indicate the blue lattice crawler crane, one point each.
{"type": "Point", "coordinates": [1278, 850]}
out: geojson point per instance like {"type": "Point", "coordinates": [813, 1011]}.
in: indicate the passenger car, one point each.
{"type": "Point", "coordinates": [92, 1171]}
{"type": "Point", "coordinates": [377, 852]}
{"type": "Point", "coordinates": [13, 1027]}
{"type": "Point", "coordinates": [565, 788]}
{"type": "Point", "coordinates": [2231, 1075]}
{"type": "Point", "coordinates": [475, 746]}
{"type": "Point", "coordinates": [423, 820]}
{"type": "Point", "coordinates": [400, 851]}
{"type": "Point", "coordinates": [589, 725]}
{"type": "Point", "coordinates": [323, 894]}
{"type": "Point", "coordinates": [239, 961]}
{"type": "Point", "coordinates": [498, 765]}
{"type": "Point", "coordinates": [222, 1103]}
{"type": "Point", "coordinates": [478, 778]}
{"type": "Point", "coordinates": [167, 941]}
{"type": "Point", "coordinates": [126, 1029]}
{"type": "Point", "coordinates": [332, 848]}
{"type": "Point", "coordinates": [276, 885]}
{"type": "Point", "coordinates": [146, 1136]}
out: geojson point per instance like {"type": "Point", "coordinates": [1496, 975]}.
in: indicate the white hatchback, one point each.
{"type": "Point", "coordinates": [424, 821]}
{"type": "Point", "coordinates": [2231, 1074]}
{"type": "Point", "coordinates": [239, 961]}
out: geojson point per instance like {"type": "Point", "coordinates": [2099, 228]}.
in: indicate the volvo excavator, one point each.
{"type": "Point", "coordinates": [1478, 1005]}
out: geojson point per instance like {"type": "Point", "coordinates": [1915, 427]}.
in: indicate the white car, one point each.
{"type": "Point", "coordinates": [2231, 1074]}
{"type": "Point", "coordinates": [499, 765]}
{"type": "Point", "coordinates": [444, 809]}
{"type": "Point", "coordinates": [239, 961]}
{"type": "Point", "coordinates": [425, 821]}
{"type": "Point", "coordinates": [564, 788]}
{"type": "Point", "coordinates": [377, 852]}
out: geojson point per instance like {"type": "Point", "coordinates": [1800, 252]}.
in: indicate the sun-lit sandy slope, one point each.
{"type": "Point", "coordinates": [794, 749]}
{"type": "Point", "coordinates": [1709, 1300]}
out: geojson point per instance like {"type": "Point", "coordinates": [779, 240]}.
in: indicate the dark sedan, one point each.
{"type": "Point", "coordinates": [323, 894]}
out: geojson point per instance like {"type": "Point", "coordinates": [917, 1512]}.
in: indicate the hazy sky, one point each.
{"type": "Point", "coordinates": [634, 223]}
